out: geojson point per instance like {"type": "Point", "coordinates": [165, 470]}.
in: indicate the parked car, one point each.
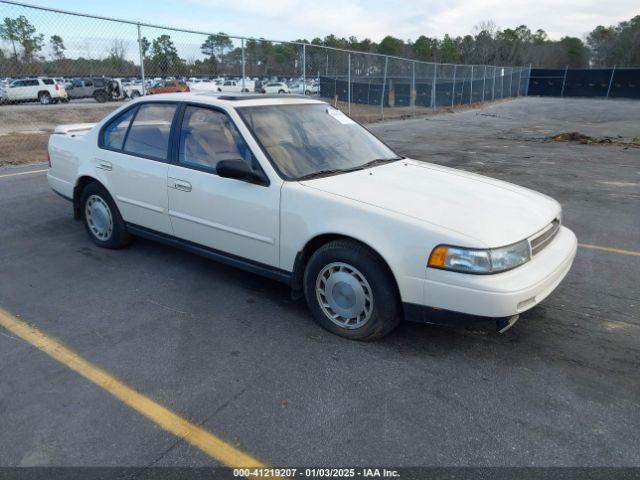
{"type": "Point", "coordinates": [205, 85]}
{"type": "Point", "coordinates": [81, 88]}
{"type": "Point", "coordinates": [112, 89]}
{"type": "Point", "coordinates": [44, 90]}
{"type": "Point", "coordinates": [275, 87]}
{"type": "Point", "coordinates": [297, 191]}
{"type": "Point", "coordinates": [169, 86]}
{"type": "Point", "coordinates": [307, 88]}
{"type": "Point", "coordinates": [236, 86]}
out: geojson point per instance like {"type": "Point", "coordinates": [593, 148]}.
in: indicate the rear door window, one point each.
{"type": "Point", "coordinates": [150, 131]}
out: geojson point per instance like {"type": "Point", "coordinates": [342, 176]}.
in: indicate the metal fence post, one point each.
{"type": "Point", "coordinates": [519, 82]}
{"type": "Point", "coordinates": [511, 82]}
{"type": "Point", "coordinates": [526, 92]}
{"type": "Point", "coordinates": [493, 85]}
{"type": "Point", "coordinates": [349, 85]}
{"type": "Point", "coordinates": [144, 89]}
{"type": "Point", "coordinates": [384, 85]}
{"type": "Point", "coordinates": [434, 86]}
{"type": "Point", "coordinates": [613, 71]}
{"type": "Point", "coordinates": [453, 87]}
{"type": "Point", "coordinates": [243, 64]}
{"type": "Point", "coordinates": [484, 81]}
{"type": "Point", "coordinates": [304, 68]}
{"type": "Point", "coordinates": [412, 94]}
{"type": "Point", "coordinates": [564, 80]}
{"type": "Point", "coordinates": [471, 87]}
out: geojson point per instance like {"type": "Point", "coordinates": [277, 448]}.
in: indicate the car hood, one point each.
{"type": "Point", "coordinates": [493, 212]}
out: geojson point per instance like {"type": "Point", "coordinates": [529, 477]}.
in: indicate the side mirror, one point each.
{"type": "Point", "coordinates": [239, 170]}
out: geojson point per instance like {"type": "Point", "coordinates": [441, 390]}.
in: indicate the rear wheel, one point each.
{"type": "Point", "coordinates": [280, 91]}
{"type": "Point", "coordinates": [350, 291]}
{"type": "Point", "coordinates": [44, 98]}
{"type": "Point", "coordinates": [102, 219]}
{"type": "Point", "coordinates": [135, 94]}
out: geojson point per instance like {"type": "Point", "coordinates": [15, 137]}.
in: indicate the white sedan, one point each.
{"type": "Point", "coordinates": [275, 87]}
{"type": "Point", "coordinates": [293, 189]}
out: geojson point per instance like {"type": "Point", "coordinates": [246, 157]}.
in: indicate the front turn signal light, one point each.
{"type": "Point", "coordinates": [438, 256]}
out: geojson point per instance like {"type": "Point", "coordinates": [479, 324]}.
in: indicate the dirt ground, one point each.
{"type": "Point", "coordinates": [25, 129]}
{"type": "Point", "coordinates": [23, 148]}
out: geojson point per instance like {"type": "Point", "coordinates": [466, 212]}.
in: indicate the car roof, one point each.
{"type": "Point", "coordinates": [235, 100]}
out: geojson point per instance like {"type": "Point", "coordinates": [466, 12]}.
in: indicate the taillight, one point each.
{"type": "Point", "coordinates": [57, 87]}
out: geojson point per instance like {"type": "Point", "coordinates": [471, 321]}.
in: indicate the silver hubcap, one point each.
{"type": "Point", "coordinates": [98, 217]}
{"type": "Point", "coordinates": [344, 295]}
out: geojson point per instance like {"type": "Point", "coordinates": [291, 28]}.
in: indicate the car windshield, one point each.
{"type": "Point", "coordinates": [312, 140]}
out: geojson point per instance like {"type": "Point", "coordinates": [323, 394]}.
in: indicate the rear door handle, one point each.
{"type": "Point", "coordinates": [181, 185]}
{"type": "Point", "coordinates": [104, 165]}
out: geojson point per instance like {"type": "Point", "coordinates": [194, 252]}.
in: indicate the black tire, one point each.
{"type": "Point", "coordinates": [119, 237]}
{"type": "Point", "coordinates": [135, 94]}
{"type": "Point", "coordinates": [307, 92]}
{"type": "Point", "coordinates": [385, 311]}
{"type": "Point", "coordinates": [100, 96]}
{"type": "Point", "coordinates": [44, 98]}
{"type": "Point", "coordinates": [281, 91]}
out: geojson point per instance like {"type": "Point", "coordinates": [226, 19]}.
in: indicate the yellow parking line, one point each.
{"type": "Point", "coordinates": [22, 173]}
{"type": "Point", "coordinates": [610, 249]}
{"type": "Point", "coordinates": [165, 418]}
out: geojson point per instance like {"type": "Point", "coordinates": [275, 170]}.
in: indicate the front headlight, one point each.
{"type": "Point", "coordinates": [469, 260]}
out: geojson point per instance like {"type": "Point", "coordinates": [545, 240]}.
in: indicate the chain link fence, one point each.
{"type": "Point", "coordinates": [102, 59]}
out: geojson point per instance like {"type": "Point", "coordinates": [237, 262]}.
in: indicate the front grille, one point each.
{"type": "Point", "coordinates": [539, 241]}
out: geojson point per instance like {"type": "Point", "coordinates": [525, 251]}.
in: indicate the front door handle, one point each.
{"type": "Point", "coordinates": [181, 185]}
{"type": "Point", "coordinates": [104, 165]}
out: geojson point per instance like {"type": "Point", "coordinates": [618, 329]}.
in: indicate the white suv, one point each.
{"type": "Point", "coordinates": [43, 90]}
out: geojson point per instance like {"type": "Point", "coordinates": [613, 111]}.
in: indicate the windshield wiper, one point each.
{"type": "Point", "coordinates": [333, 171]}
{"type": "Point", "coordinates": [378, 161]}
{"type": "Point", "coordinates": [323, 173]}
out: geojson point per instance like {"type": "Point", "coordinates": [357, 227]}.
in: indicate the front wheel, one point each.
{"type": "Point", "coordinates": [135, 94]}
{"type": "Point", "coordinates": [280, 91]}
{"type": "Point", "coordinates": [351, 292]}
{"type": "Point", "coordinates": [102, 219]}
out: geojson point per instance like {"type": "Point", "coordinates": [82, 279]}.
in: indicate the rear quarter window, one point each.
{"type": "Point", "coordinates": [115, 132]}
{"type": "Point", "coordinates": [150, 131]}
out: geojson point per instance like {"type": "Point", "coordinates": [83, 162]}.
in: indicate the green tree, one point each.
{"type": "Point", "coordinates": [57, 46]}
{"type": "Point", "coordinates": [216, 46]}
{"type": "Point", "coordinates": [20, 31]}
{"type": "Point", "coordinates": [164, 56]}
{"type": "Point", "coordinates": [448, 52]}
{"type": "Point", "coordinates": [576, 52]}
{"type": "Point", "coordinates": [145, 45]}
{"type": "Point", "coordinates": [425, 48]}
{"type": "Point", "coordinates": [391, 46]}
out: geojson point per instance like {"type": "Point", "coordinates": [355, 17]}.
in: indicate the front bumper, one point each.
{"type": "Point", "coordinates": [495, 296]}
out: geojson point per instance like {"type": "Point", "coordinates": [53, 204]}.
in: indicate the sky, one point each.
{"type": "Point", "coordinates": [293, 19]}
